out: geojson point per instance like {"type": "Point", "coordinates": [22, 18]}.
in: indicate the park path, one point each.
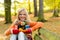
{"type": "Point", "coordinates": [2, 19]}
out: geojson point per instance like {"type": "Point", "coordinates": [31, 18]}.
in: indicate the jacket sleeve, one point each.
{"type": "Point", "coordinates": [8, 31]}
{"type": "Point", "coordinates": [35, 25]}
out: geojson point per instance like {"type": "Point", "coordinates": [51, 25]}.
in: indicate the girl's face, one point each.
{"type": "Point", "coordinates": [22, 15]}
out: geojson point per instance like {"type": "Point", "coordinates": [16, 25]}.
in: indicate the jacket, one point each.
{"type": "Point", "coordinates": [33, 26]}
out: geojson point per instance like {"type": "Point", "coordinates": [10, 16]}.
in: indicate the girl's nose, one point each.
{"type": "Point", "coordinates": [22, 15]}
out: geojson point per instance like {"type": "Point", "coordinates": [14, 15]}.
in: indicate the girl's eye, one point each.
{"type": "Point", "coordinates": [22, 14]}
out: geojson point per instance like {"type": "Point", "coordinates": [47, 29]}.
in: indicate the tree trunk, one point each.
{"type": "Point", "coordinates": [49, 35]}
{"type": "Point", "coordinates": [40, 14]}
{"type": "Point", "coordinates": [15, 7]}
{"type": "Point", "coordinates": [37, 37]}
{"type": "Point", "coordinates": [35, 8]}
{"type": "Point", "coordinates": [55, 13]}
{"type": "Point", "coordinates": [7, 5]}
{"type": "Point", "coordinates": [29, 6]}
{"type": "Point", "coordinates": [59, 7]}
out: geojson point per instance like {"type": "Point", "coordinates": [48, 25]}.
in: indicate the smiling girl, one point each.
{"type": "Point", "coordinates": [18, 29]}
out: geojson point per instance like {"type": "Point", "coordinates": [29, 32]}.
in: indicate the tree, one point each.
{"type": "Point", "coordinates": [59, 7]}
{"type": "Point", "coordinates": [15, 7]}
{"type": "Point", "coordinates": [55, 12]}
{"type": "Point", "coordinates": [40, 14]}
{"type": "Point", "coordinates": [7, 5]}
{"type": "Point", "coordinates": [29, 6]}
{"type": "Point", "coordinates": [35, 8]}
{"type": "Point", "coordinates": [54, 4]}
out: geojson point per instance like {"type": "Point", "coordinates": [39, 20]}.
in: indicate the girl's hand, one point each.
{"type": "Point", "coordinates": [20, 30]}
{"type": "Point", "coordinates": [7, 33]}
{"type": "Point", "coordinates": [27, 31]}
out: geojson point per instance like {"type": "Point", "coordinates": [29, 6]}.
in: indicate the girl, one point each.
{"type": "Point", "coordinates": [17, 29]}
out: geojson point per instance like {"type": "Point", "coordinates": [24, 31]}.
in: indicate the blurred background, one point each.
{"type": "Point", "coordinates": [47, 11]}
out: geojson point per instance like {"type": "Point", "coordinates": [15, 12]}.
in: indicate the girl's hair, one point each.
{"type": "Point", "coordinates": [19, 11]}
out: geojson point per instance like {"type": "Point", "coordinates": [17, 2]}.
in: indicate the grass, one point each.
{"type": "Point", "coordinates": [53, 24]}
